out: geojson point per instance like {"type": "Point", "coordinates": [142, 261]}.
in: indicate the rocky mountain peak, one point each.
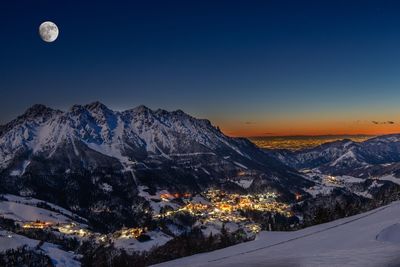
{"type": "Point", "coordinates": [97, 106]}
{"type": "Point", "coordinates": [142, 109]}
{"type": "Point", "coordinates": [38, 110]}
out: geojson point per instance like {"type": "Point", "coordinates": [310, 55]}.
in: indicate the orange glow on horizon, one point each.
{"type": "Point", "coordinates": [311, 129]}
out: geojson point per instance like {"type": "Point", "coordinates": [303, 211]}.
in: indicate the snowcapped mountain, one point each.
{"type": "Point", "coordinates": [117, 134]}
{"type": "Point", "coordinates": [128, 136]}
{"type": "Point", "coordinates": [353, 171]}
{"type": "Point", "coordinates": [92, 160]}
{"type": "Point", "coordinates": [109, 171]}
{"type": "Point", "coordinates": [373, 157]}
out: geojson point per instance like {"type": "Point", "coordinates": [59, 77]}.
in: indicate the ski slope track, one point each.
{"type": "Point", "coordinates": [368, 239]}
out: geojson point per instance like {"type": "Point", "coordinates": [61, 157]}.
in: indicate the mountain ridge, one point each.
{"type": "Point", "coordinates": [58, 155]}
{"type": "Point", "coordinates": [346, 156]}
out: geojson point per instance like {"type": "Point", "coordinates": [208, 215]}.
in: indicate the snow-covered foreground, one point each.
{"type": "Point", "coordinates": [60, 258]}
{"type": "Point", "coordinates": [24, 209]}
{"type": "Point", "coordinates": [368, 239]}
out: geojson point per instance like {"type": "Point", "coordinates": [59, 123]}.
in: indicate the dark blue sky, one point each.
{"type": "Point", "coordinates": [252, 67]}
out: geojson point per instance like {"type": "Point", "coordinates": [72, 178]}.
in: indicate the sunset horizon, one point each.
{"type": "Point", "coordinates": [229, 133]}
{"type": "Point", "coordinates": [277, 69]}
{"type": "Point", "coordinates": [265, 127]}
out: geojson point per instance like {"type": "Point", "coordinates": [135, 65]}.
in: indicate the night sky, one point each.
{"type": "Point", "coordinates": [251, 67]}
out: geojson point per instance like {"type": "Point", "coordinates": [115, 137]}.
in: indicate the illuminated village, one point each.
{"type": "Point", "coordinates": [128, 233]}
{"type": "Point", "coordinates": [332, 180]}
{"type": "Point", "coordinates": [74, 229]}
{"type": "Point", "coordinates": [64, 228]}
{"type": "Point", "coordinates": [213, 207]}
{"type": "Point", "coordinates": [226, 207]}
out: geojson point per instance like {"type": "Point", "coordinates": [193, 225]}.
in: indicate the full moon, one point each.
{"type": "Point", "coordinates": [48, 31]}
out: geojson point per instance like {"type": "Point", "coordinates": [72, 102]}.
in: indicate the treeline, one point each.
{"type": "Point", "coordinates": [23, 256]}
{"type": "Point", "coordinates": [272, 221]}
{"type": "Point", "coordinates": [184, 245]}
{"type": "Point", "coordinates": [338, 204]}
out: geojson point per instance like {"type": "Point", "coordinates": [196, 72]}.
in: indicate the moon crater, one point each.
{"type": "Point", "coordinates": [48, 31]}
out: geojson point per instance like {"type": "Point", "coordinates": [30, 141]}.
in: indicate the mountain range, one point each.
{"type": "Point", "coordinates": [375, 157]}
{"type": "Point", "coordinates": [147, 181]}
{"type": "Point", "coordinates": [93, 160]}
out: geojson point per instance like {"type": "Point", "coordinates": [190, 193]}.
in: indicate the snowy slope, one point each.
{"type": "Point", "coordinates": [44, 153]}
{"type": "Point", "coordinates": [21, 209]}
{"type": "Point", "coordinates": [60, 258]}
{"type": "Point", "coordinates": [112, 133]}
{"type": "Point", "coordinates": [25, 213]}
{"type": "Point", "coordinates": [369, 239]}
{"type": "Point", "coordinates": [371, 158]}
{"type": "Point", "coordinates": [130, 245]}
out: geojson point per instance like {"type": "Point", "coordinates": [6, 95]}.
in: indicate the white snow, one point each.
{"type": "Point", "coordinates": [75, 148]}
{"type": "Point", "coordinates": [390, 234]}
{"type": "Point", "coordinates": [131, 244]}
{"type": "Point", "coordinates": [326, 183]}
{"type": "Point", "coordinates": [204, 170]}
{"type": "Point", "coordinates": [365, 194]}
{"type": "Point", "coordinates": [60, 258]}
{"type": "Point", "coordinates": [350, 241]}
{"type": "Point", "coordinates": [349, 179]}
{"type": "Point", "coordinates": [21, 171]}
{"type": "Point", "coordinates": [15, 173]}
{"type": "Point", "coordinates": [390, 178]}
{"type": "Point", "coordinates": [192, 154]}
{"type": "Point", "coordinates": [24, 209]}
{"type": "Point", "coordinates": [114, 134]}
{"type": "Point", "coordinates": [240, 165]}
{"type": "Point", "coordinates": [346, 157]}
{"type": "Point", "coordinates": [106, 187]}
{"type": "Point", "coordinates": [25, 213]}
{"type": "Point", "coordinates": [319, 190]}
{"type": "Point", "coordinates": [245, 183]}
{"type": "Point", "coordinates": [233, 147]}
{"type": "Point", "coordinates": [9, 240]}
{"type": "Point", "coordinates": [155, 201]}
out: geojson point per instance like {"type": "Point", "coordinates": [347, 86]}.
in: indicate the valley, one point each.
{"type": "Point", "coordinates": [140, 187]}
